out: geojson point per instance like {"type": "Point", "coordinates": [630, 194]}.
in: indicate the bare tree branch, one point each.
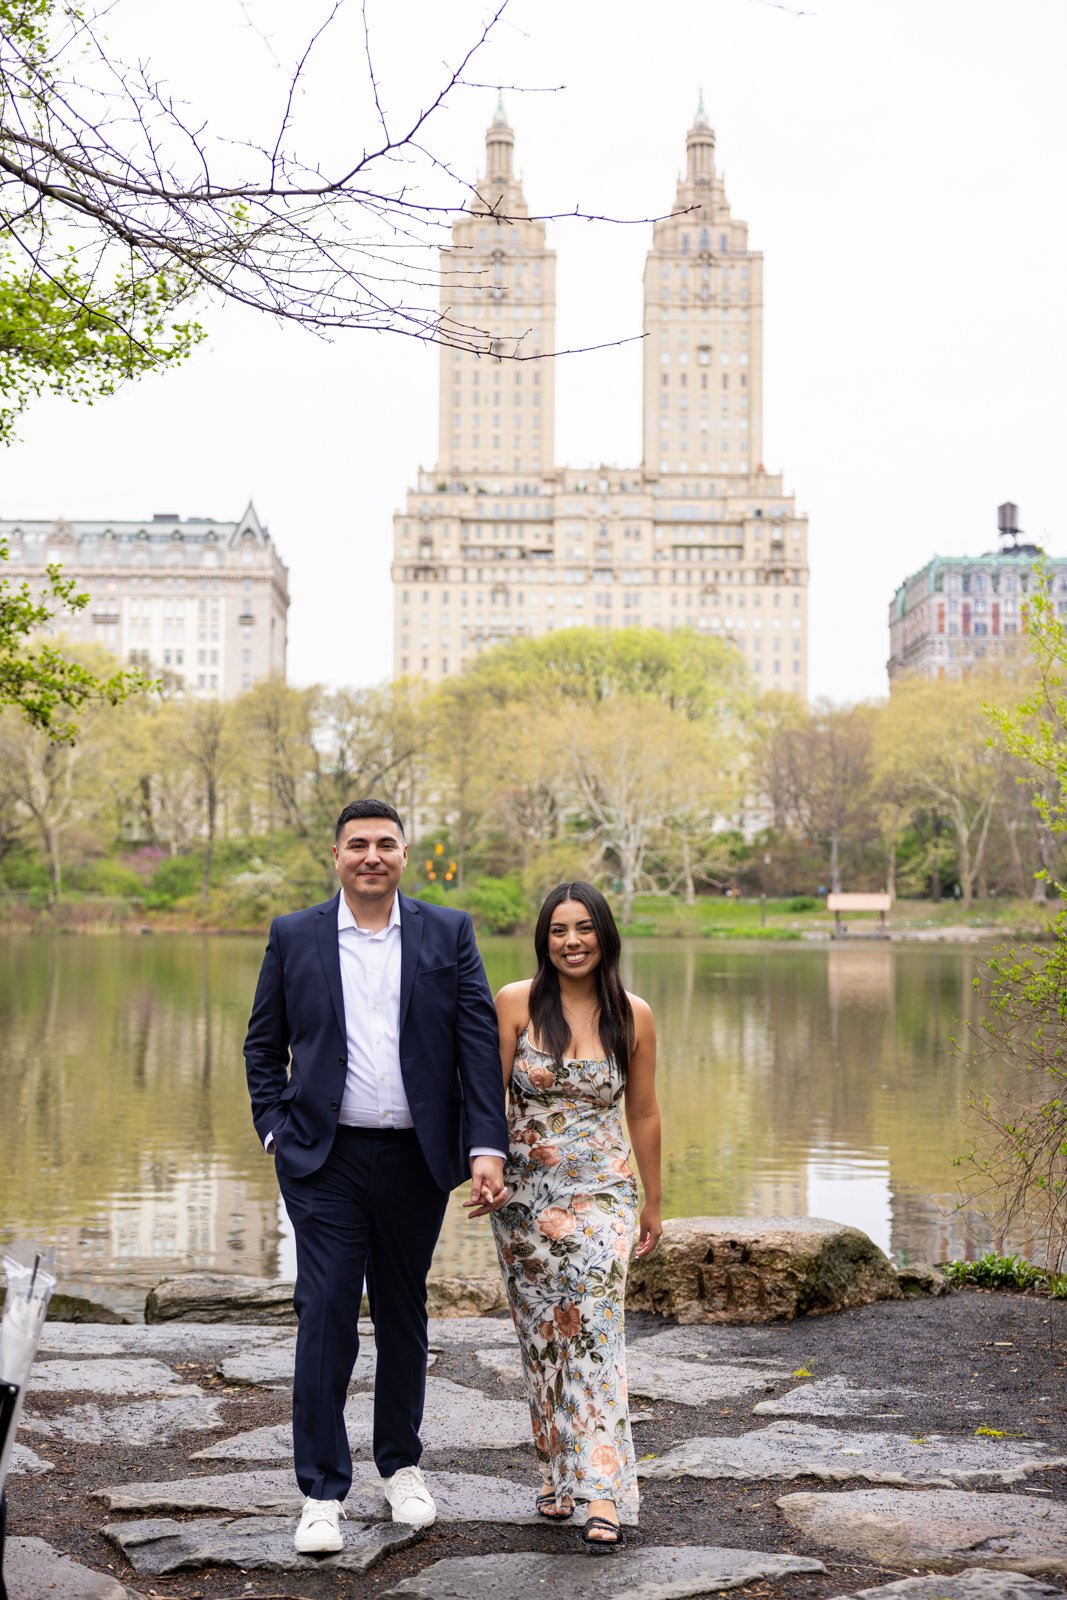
{"type": "Point", "coordinates": [97, 156]}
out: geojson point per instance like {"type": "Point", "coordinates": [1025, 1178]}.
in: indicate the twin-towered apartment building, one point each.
{"type": "Point", "coordinates": [498, 542]}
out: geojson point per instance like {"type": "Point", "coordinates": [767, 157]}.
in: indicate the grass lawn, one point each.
{"type": "Point", "coordinates": [717, 917]}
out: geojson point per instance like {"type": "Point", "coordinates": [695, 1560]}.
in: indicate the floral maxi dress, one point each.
{"type": "Point", "coordinates": [564, 1243]}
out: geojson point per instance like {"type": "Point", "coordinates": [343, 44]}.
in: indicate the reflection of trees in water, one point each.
{"type": "Point", "coordinates": [122, 1077]}
{"type": "Point", "coordinates": [109, 1081]}
{"type": "Point", "coordinates": [769, 1056]}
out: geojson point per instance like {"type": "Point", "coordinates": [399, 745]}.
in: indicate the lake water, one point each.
{"type": "Point", "coordinates": [794, 1079]}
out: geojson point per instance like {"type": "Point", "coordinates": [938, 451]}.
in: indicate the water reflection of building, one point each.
{"type": "Point", "coordinates": [779, 1194]}
{"type": "Point", "coordinates": [178, 1222]}
{"type": "Point", "coordinates": [934, 1228]}
{"type": "Point", "coordinates": [859, 973]}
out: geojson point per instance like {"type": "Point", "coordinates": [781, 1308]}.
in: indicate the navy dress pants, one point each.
{"type": "Point", "coordinates": [372, 1211]}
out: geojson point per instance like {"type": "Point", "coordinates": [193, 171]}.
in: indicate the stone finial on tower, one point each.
{"type": "Point", "coordinates": [499, 147]}
{"type": "Point", "coordinates": [700, 147]}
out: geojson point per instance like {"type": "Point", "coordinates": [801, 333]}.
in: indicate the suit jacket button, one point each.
{"type": "Point", "coordinates": [333, 1105]}
{"type": "Point", "coordinates": [342, 1061]}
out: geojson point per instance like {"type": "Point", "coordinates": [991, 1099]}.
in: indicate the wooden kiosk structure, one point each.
{"type": "Point", "coordinates": [849, 903]}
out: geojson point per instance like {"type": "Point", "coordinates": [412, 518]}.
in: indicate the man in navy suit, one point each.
{"type": "Point", "coordinates": [374, 1072]}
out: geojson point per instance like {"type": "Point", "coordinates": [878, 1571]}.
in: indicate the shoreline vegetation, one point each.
{"type": "Point", "coordinates": [496, 908]}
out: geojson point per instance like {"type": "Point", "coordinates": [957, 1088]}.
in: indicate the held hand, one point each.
{"type": "Point", "coordinates": [487, 1186]}
{"type": "Point", "coordinates": [651, 1230]}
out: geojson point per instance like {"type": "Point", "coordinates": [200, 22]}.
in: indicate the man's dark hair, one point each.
{"type": "Point", "coordinates": [357, 809]}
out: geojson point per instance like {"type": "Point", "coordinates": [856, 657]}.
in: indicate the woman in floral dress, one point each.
{"type": "Point", "coordinates": [575, 1047]}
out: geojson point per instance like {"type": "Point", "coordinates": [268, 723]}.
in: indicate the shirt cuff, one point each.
{"type": "Point", "coordinates": [483, 1150]}
{"type": "Point", "coordinates": [268, 1143]}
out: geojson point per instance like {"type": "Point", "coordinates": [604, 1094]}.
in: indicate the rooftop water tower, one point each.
{"type": "Point", "coordinates": [1008, 522]}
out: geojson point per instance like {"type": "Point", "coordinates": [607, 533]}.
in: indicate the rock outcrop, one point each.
{"type": "Point", "coordinates": [214, 1297]}
{"type": "Point", "coordinates": [466, 1297]}
{"type": "Point", "coordinates": [759, 1269]}
{"type": "Point", "coordinates": [919, 1278]}
{"type": "Point", "coordinates": [209, 1297]}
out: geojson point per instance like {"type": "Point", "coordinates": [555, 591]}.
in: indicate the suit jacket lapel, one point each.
{"type": "Point", "coordinates": [411, 925]}
{"type": "Point", "coordinates": [329, 952]}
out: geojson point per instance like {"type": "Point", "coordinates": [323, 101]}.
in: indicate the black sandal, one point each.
{"type": "Point", "coordinates": [600, 1546]}
{"type": "Point", "coordinates": [548, 1498]}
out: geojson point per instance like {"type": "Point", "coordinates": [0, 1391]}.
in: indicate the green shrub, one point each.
{"type": "Point", "coordinates": [498, 905]}
{"type": "Point", "coordinates": [802, 902]}
{"type": "Point", "coordinates": [993, 1271]}
{"type": "Point", "coordinates": [107, 877]}
{"type": "Point", "coordinates": [20, 872]}
{"type": "Point", "coordinates": [435, 894]}
{"type": "Point", "coordinates": [249, 898]}
{"type": "Point", "coordinates": [174, 880]}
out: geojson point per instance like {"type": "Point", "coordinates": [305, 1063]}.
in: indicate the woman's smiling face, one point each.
{"type": "Point", "coordinates": [573, 946]}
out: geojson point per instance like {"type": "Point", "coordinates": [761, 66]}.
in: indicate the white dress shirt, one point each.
{"type": "Point", "coordinates": [374, 1094]}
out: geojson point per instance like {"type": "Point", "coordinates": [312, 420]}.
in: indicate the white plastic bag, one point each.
{"type": "Point", "coordinates": [30, 1275]}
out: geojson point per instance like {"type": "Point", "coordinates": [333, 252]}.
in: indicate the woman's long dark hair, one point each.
{"type": "Point", "coordinates": [615, 1018]}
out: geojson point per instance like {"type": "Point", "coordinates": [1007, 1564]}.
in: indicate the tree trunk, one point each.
{"type": "Point", "coordinates": [835, 863]}
{"type": "Point", "coordinates": [55, 864]}
{"type": "Point", "coordinates": [979, 869]}
{"type": "Point", "coordinates": [1045, 857]}
{"type": "Point", "coordinates": [627, 894]}
{"type": "Point", "coordinates": [687, 873]}
{"type": "Point", "coordinates": [935, 858]}
{"type": "Point", "coordinates": [891, 867]}
{"type": "Point", "coordinates": [1022, 888]}
{"type": "Point", "coordinates": [209, 851]}
{"type": "Point", "coordinates": [963, 845]}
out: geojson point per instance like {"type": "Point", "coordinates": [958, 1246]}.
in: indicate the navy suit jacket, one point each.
{"type": "Point", "coordinates": [296, 1049]}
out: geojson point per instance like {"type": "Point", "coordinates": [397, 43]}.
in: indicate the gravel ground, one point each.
{"type": "Point", "coordinates": [1007, 1353]}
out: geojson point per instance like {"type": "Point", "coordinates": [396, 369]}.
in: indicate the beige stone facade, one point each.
{"type": "Point", "coordinates": [498, 542]}
{"type": "Point", "coordinates": [200, 603]}
{"type": "Point", "coordinates": [962, 612]}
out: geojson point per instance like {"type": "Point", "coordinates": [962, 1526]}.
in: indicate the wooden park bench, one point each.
{"type": "Point", "coordinates": [848, 903]}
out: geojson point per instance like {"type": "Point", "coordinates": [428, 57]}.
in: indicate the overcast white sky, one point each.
{"type": "Point", "coordinates": [901, 164]}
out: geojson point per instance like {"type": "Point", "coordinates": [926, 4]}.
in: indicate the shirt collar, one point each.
{"type": "Point", "coordinates": [345, 919]}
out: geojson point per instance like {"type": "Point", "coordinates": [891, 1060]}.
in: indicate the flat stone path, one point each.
{"type": "Point", "coordinates": [937, 1529]}
{"type": "Point", "coordinates": [160, 1545]}
{"type": "Point", "coordinates": [33, 1570]}
{"type": "Point", "coordinates": [141, 1422]}
{"type": "Point", "coordinates": [460, 1497]}
{"type": "Point", "coordinates": [185, 1341]}
{"type": "Point", "coordinates": [801, 1450]}
{"type": "Point", "coordinates": [450, 1421]}
{"type": "Point", "coordinates": [662, 1377]}
{"type": "Point", "coordinates": [666, 1573]}
{"type": "Point", "coordinates": [838, 1397]}
{"type": "Point", "coordinates": [118, 1377]}
{"type": "Point", "coordinates": [976, 1583]}
{"type": "Point", "coordinates": [126, 1388]}
{"type": "Point", "coordinates": [26, 1462]}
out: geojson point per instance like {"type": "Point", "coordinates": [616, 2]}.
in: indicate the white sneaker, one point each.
{"type": "Point", "coordinates": [319, 1532]}
{"type": "Point", "coordinates": [409, 1497]}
